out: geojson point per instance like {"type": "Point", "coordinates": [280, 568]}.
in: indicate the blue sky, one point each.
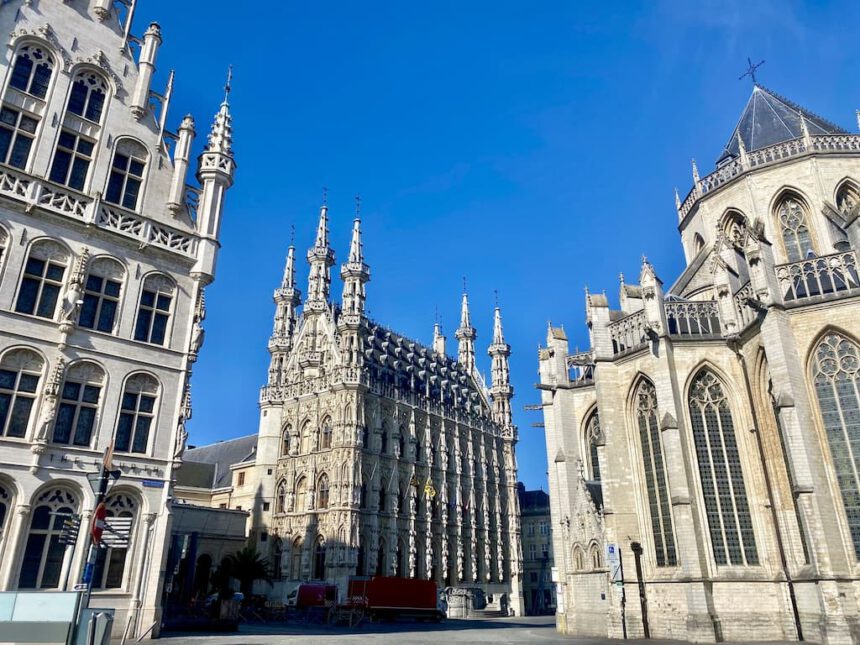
{"type": "Point", "coordinates": [532, 147]}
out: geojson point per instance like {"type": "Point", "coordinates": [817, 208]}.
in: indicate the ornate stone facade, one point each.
{"type": "Point", "coordinates": [104, 256]}
{"type": "Point", "coordinates": [710, 434]}
{"type": "Point", "coordinates": [377, 454]}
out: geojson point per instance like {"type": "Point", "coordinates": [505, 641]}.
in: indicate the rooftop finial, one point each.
{"type": "Point", "coordinates": [464, 284]}
{"type": "Point", "coordinates": [357, 205]}
{"type": "Point", "coordinates": [292, 234]}
{"type": "Point", "coordinates": [227, 85]}
{"type": "Point", "coordinates": [496, 296]}
{"type": "Point", "coordinates": [325, 196]}
{"type": "Point", "coordinates": [751, 71]}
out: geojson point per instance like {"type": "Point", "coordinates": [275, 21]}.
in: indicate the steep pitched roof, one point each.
{"type": "Point", "coordinates": [223, 455]}
{"type": "Point", "coordinates": [769, 119]}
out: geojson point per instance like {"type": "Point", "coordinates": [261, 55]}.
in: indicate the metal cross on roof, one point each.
{"type": "Point", "coordinates": [751, 70]}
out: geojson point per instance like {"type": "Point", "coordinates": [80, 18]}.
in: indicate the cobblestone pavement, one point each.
{"type": "Point", "coordinates": [500, 631]}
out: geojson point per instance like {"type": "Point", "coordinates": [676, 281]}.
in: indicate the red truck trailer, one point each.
{"type": "Point", "coordinates": [391, 598]}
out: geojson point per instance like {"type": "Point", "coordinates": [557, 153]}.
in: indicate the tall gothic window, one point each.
{"type": "Point", "coordinates": [285, 443]}
{"type": "Point", "coordinates": [32, 70]}
{"type": "Point", "coordinates": [5, 504]}
{"type": "Point", "coordinates": [836, 374]}
{"type": "Point", "coordinates": [137, 414]}
{"type": "Point", "coordinates": [153, 314]}
{"type": "Point", "coordinates": [44, 554]}
{"type": "Point", "coordinates": [322, 492]}
{"type": "Point", "coordinates": [43, 278]}
{"type": "Point", "coordinates": [593, 438]}
{"type": "Point", "coordinates": [305, 438]}
{"type": "Point", "coordinates": [847, 198]}
{"type": "Point", "coordinates": [17, 131]}
{"type": "Point", "coordinates": [126, 174]}
{"type": "Point", "coordinates": [87, 97]}
{"type": "Point", "coordinates": [720, 473]}
{"type": "Point", "coordinates": [281, 497]}
{"type": "Point", "coordinates": [79, 404]}
{"type": "Point", "coordinates": [111, 561]}
{"type": "Point", "coordinates": [319, 559]}
{"type": "Point", "coordinates": [655, 475]}
{"type": "Point", "coordinates": [101, 295]}
{"type": "Point", "coordinates": [20, 371]}
{"type": "Point", "coordinates": [300, 501]}
{"type": "Point", "coordinates": [325, 436]}
{"type": "Point", "coordinates": [296, 559]}
{"type": "Point", "coordinates": [794, 229]}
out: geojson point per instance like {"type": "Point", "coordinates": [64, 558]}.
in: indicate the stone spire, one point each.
{"type": "Point", "coordinates": [355, 274]}
{"type": "Point", "coordinates": [215, 171]}
{"type": "Point", "coordinates": [438, 339]}
{"type": "Point", "coordinates": [466, 336]}
{"type": "Point", "coordinates": [287, 300]}
{"type": "Point", "coordinates": [321, 259]}
{"type": "Point", "coordinates": [501, 390]}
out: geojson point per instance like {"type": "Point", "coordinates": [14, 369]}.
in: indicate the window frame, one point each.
{"type": "Point", "coordinates": [15, 394]}
{"type": "Point", "coordinates": [135, 385]}
{"type": "Point", "coordinates": [101, 296]}
{"type": "Point", "coordinates": [51, 64]}
{"type": "Point", "coordinates": [74, 375]}
{"type": "Point", "coordinates": [17, 134]}
{"type": "Point", "coordinates": [75, 155]}
{"type": "Point", "coordinates": [48, 252]}
{"type": "Point", "coordinates": [791, 246]}
{"type": "Point", "coordinates": [124, 175]}
{"type": "Point", "coordinates": [153, 311]}
{"type": "Point", "coordinates": [55, 498]}
{"type": "Point", "coordinates": [84, 76]}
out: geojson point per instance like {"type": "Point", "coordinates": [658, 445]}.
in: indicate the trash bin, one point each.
{"type": "Point", "coordinates": [98, 632]}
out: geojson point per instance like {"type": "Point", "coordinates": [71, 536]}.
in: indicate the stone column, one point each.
{"type": "Point", "coordinates": [16, 541]}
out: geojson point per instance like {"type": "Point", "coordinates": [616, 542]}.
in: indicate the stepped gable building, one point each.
{"type": "Point", "coordinates": [104, 256]}
{"type": "Point", "coordinates": [377, 454]}
{"type": "Point", "coordinates": [710, 434]}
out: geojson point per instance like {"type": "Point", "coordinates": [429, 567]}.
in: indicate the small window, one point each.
{"type": "Point", "coordinates": [79, 404]}
{"type": "Point", "coordinates": [264, 536]}
{"type": "Point", "coordinates": [153, 315]}
{"type": "Point", "coordinates": [126, 174]}
{"type": "Point", "coordinates": [241, 481]}
{"type": "Point", "coordinates": [43, 278]}
{"type": "Point", "coordinates": [87, 98]}
{"type": "Point", "coordinates": [72, 160]}
{"type": "Point", "coordinates": [266, 506]}
{"type": "Point", "coordinates": [222, 505]}
{"type": "Point", "coordinates": [32, 71]}
{"type": "Point", "coordinates": [101, 295]}
{"type": "Point", "coordinates": [20, 371]}
{"type": "Point", "coordinates": [322, 493]}
{"type": "Point", "coordinates": [17, 131]}
{"type": "Point", "coordinates": [238, 508]}
{"type": "Point", "coordinates": [136, 414]}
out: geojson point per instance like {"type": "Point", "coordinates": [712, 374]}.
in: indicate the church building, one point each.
{"type": "Point", "coordinates": [704, 452]}
{"type": "Point", "coordinates": [105, 252]}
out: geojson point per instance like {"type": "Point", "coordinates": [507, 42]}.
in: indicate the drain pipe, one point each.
{"type": "Point", "coordinates": [734, 344]}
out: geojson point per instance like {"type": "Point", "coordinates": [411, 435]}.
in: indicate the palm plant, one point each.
{"type": "Point", "coordinates": [246, 565]}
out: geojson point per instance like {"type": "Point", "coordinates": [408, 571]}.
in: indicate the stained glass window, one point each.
{"type": "Point", "coordinates": [795, 233]}
{"type": "Point", "coordinates": [720, 473]}
{"type": "Point", "coordinates": [655, 476]}
{"type": "Point", "coordinates": [593, 437]}
{"type": "Point", "coordinates": [836, 379]}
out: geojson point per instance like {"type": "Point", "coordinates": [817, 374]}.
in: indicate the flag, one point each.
{"type": "Point", "coordinates": [429, 491]}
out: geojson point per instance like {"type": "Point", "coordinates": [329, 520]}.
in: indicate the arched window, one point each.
{"type": "Point", "coordinates": [365, 436]}
{"type": "Point", "coordinates": [847, 198]}
{"type": "Point", "coordinates": [20, 371]}
{"type": "Point", "coordinates": [655, 475]}
{"type": "Point", "coordinates": [79, 404]}
{"type": "Point", "coordinates": [281, 497]}
{"type": "Point", "coordinates": [87, 98]}
{"type": "Point", "coordinates": [32, 71]}
{"type": "Point", "coordinates": [126, 174]}
{"type": "Point", "coordinates": [296, 560]}
{"type": "Point", "coordinates": [101, 295]}
{"type": "Point", "coordinates": [382, 486]}
{"type": "Point", "coordinates": [401, 444]}
{"type": "Point", "coordinates": [136, 414]}
{"type": "Point", "coordinates": [110, 566]}
{"type": "Point", "coordinates": [362, 500]}
{"type": "Point", "coordinates": [578, 558]}
{"type": "Point", "coordinates": [836, 375]}
{"type": "Point", "coordinates": [285, 442]}
{"type": "Point", "coordinates": [300, 503]}
{"type": "Point", "coordinates": [734, 227]}
{"type": "Point", "coordinates": [322, 492]}
{"type": "Point", "coordinates": [720, 473]}
{"type": "Point", "coordinates": [593, 438]}
{"type": "Point", "coordinates": [44, 555]}
{"type": "Point", "coordinates": [17, 131]}
{"type": "Point", "coordinates": [380, 558]}
{"type": "Point", "coordinates": [595, 557]}
{"type": "Point", "coordinates": [383, 440]}
{"type": "Point", "coordinates": [43, 278]}
{"type": "Point", "coordinates": [305, 438]}
{"type": "Point", "coordinates": [401, 500]}
{"type": "Point", "coordinates": [794, 229]}
{"type": "Point", "coordinates": [698, 242]}
{"type": "Point", "coordinates": [361, 565]}
{"type": "Point", "coordinates": [325, 435]}
{"type": "Point", "coordinates": [5, 505]}
{"type": "Point", "coordinates": [398, 559]}
{"type": "Point", "coordinates": [319, 559]}
{"type": "Point", "coordinates": [153, 314]}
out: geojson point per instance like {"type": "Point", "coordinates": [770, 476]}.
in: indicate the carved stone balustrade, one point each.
{"type": "Point", "coordinates": [818, 276]}
{"type": "Point", "coordinates": [695, 318]}
{"type": "Point", "coordinates": [628, 333]}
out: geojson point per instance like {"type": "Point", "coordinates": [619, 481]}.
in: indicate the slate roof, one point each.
{"type": "Point", "coordinates": [222, 455]}
{"type": "Point", "coordinates": [768, 119]}
{"type": "Point", "coordinates": [531, 500]}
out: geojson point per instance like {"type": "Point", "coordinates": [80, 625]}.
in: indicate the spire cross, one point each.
{"type": "Point", "coordinates": [325, 196]}
{"type": "Point", "coordinates": [464, 284]}
{"type": "Point", "coordinates": [496, 295]}
{"type": "Point", "coordinates": [292, 234]}
{"type": "Point", "coordinates": [227, 85]}
{"type": "Point", "coordinates": [357, 205]}
{"type": "Point", "coordinates": [751, 70]}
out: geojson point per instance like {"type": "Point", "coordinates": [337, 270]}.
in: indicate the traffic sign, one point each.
{"type": "Point", "coordinates": [98, 523]}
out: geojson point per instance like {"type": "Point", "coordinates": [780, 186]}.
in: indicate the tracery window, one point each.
{"type": "Point", "coordinates": [153, 314]}
{"type": "Point", "coordinates": [281, 497]}
{"type": "Point", "coordinates": [42, 280]}
{"type": "Point", "coordinates": [296, 559]}
{"type": "Point", "coordinates": [79, 404]}
{"type": "Point", "coordinates": [32, 70]}
{"type": "Point", "coordinates": [382, 494]}
{"type": "Point", "coordinates": [20, 371]}
{"type": "Point", "coordinates": [101, 295]}
{"type": "Point", "coordinates": [594, 438]}
{"type": "Point", "coordinates": [319, 559]}
{"type": "Point", "coordinates": [44, 554]}
{"type": "Point", "coordinates": [300, 501]}
{"type": "Point", "coordinates": [720, 473]}
{"type": "Point", "coordinates": [794, 229]}
{"type": "Point", "coordinates": [126, 174]}
{"type": "Point", "coordinates": [656, 485]}
{"type": "Point", "coordinates": [17, 131]}
{"type": "Point", "coordinates": [847, 198]}
{"type": "Point", "coordinates": [72, 160]}
{"type": "Point", "coordinates": [110, 566]}
{"type": "Point", "coordinates": [285, 443]}
{"type": "Point", "coordinates": [136, 414]}
{"type": "Point", "coordinates": [322, 492]}
{"type": "Point", "coordinates": [383, 441]}
{"type": "Point", "coordinates": [305, 438]}
{"type": "Point", "coordinates": [5, 503]}
{"type": "Point", "coordinates": [87, 98]}
{"type": "Point", "coordinates": [836, 376]}
{"type": "Point", "coordinates": [325, 435]}
{"type": "Point", "coordinates": [735, 228]}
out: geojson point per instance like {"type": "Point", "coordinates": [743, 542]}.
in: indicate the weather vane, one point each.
{"type": "Point", "coordinates": [751, 70]}
{"type": "Point", "coordinates": [227, 85]}
{"type": "Point", "coordinates": [325, 195]}
{"type": "Point", "coordinates": [357, 205]}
